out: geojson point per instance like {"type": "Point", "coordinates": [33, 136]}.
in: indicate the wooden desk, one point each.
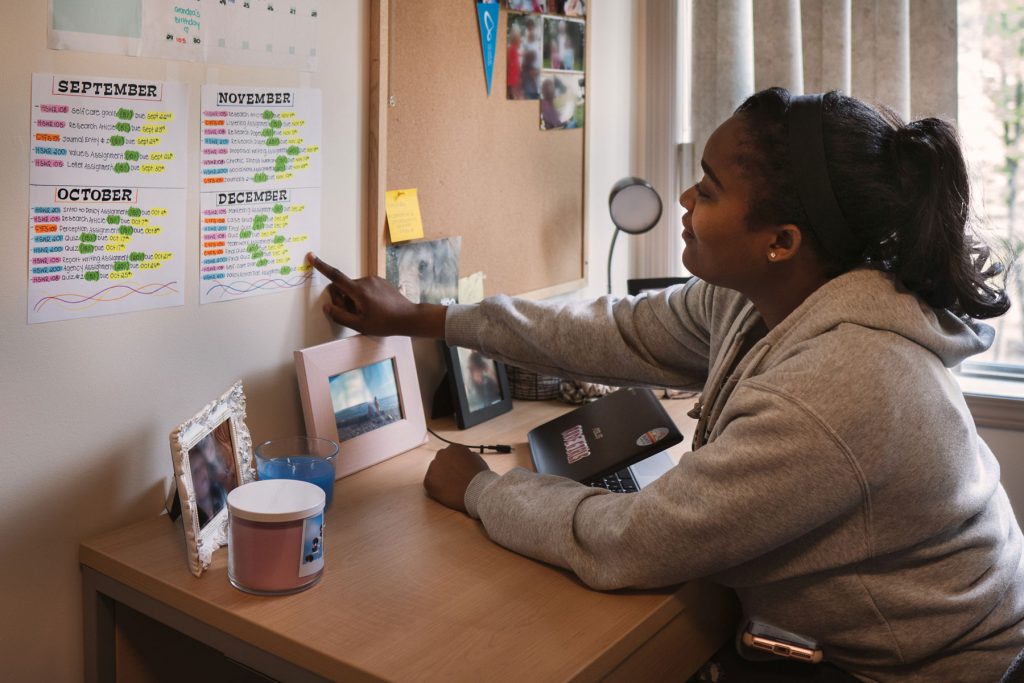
{"type": "Point", "coordinates": [411, 591]}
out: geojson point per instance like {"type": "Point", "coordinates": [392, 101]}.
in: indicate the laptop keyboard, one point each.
{"type": "Point", "coordinates": [620, 482]}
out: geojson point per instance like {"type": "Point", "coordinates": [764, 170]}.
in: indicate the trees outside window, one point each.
{"type": "Point", "coordinates": [991, 122]}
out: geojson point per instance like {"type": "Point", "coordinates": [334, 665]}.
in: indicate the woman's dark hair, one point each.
{"type": "Point", "coordinates": [902, 188]}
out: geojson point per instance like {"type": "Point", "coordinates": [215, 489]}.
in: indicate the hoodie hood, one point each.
{"type": "Point", "coordinates": [863, 298]}
{"type": "Point", "coordinates": [872, 299]}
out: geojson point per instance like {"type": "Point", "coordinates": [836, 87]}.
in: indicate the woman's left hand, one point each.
{"type": "Point", "coordinates": [449, 474]}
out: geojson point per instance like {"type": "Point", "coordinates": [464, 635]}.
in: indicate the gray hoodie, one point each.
{"type": "Point", "coordinates": [836, 481]}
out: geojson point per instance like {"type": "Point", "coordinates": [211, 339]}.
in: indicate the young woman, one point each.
{"type": "Point", "coordinates": [836, 481]}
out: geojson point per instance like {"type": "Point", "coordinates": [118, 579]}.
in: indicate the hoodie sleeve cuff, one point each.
{"type": "Point", "coordinates": [461, 325]}
{"type": "Point", "coordinates": [476, 488]}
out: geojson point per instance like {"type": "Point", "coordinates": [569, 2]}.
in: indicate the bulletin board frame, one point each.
{"type": "Point", "coordinates": [521, 207]}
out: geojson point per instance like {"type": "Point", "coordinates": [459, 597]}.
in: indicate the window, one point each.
{"type": "Point", "coordinates": [990, 35]}
{"type": "Point", "coordinates": [991, 123]}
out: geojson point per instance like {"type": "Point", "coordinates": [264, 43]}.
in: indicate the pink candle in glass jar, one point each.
{"type": "Point", "coordinates": [275, 536]}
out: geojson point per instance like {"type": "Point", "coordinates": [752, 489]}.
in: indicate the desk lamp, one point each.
{"type": "Point", "coordinates": [635, 208]}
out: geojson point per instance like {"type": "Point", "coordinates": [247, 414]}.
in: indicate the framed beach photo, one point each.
{"type": "Point", "coordinates": [479, 385]}
{"type": "Point", "coordinates": [362, 392]}
{"type": "Point", "coordinates": [212, 454]}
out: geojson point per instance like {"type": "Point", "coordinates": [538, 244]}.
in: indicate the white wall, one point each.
{"type": "Point", "coordinates": [611, 117]}
{"type": "Point", "coordinates": [86, 406]}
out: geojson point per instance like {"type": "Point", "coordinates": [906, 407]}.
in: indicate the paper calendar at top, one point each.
{"type": "Point", "coordinates": [259, 33]}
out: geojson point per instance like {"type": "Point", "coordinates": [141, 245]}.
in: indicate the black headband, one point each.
{"type": "Point", "coordinates": [810, 171]}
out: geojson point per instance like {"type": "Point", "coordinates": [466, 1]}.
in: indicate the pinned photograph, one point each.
{"type": "Point", "coordinates": [528, 5]}
{"type": "Point", "coordinates": [525, 47]}
{"type": "Point", "coordinates": [569, 8]}
{"type": "Point", "coordinates": [426, 272]}
{"type": "Point", "coordinates": [561, 101]}
{"type": "Point", "coordinates": [563, 44]}
{"type": "Point", "coordinates": [365, 399]}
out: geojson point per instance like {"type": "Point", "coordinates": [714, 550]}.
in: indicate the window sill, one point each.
{"type": "Point", "coordinates": [994, 402]}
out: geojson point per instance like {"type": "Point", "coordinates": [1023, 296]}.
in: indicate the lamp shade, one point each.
{"type": "Point", "coordinates": [634, 205]}
{"type": "Point", "coordinates": [635, 208]}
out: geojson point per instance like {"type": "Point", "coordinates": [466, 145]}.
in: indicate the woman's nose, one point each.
{"type": "Point", "coordinates": [686, 198]}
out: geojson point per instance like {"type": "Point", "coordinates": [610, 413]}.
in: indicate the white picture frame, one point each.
{"type": "Point", "coordinates": [212, 454]}
{"type": "Point", "coordinates": [337, 361]}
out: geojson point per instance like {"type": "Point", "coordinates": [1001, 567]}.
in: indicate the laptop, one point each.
{"type": "Point", "coordinates": [617, 442]}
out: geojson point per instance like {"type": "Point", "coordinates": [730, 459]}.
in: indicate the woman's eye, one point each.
{"type": "Point", "coordinates": [700, 191]}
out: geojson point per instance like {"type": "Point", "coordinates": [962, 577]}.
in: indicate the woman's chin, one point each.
{"type": "Point", "coordinates": [688, 259]}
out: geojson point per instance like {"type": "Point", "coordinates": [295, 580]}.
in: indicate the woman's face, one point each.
{"type": "Point", "coordinates": [719, 246]}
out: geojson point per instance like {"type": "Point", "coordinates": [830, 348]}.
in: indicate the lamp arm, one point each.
{"type": "Point", "coordinates": [611, 250]}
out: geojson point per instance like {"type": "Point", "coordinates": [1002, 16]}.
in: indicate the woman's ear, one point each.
{"type": "Point", "coordinates": [785, 243]}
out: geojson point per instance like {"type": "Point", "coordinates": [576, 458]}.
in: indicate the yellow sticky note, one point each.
{"type": "Point", "coordinates": [403, 209]}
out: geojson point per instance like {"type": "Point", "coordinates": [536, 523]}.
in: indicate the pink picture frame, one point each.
{"type": "Point", "coordinates": [362, 392]}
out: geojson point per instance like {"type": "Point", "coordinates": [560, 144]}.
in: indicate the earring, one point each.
{"type": "Point", "coordinates": [771, 255]}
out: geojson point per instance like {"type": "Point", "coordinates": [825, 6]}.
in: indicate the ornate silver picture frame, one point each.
{"type": "Point", "coordinates": [212, 454]}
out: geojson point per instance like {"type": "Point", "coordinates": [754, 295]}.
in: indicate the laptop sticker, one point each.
{"type": "Point", "coordinates": [652, 437]}
{"type": "Point", "coordinates": [575, 442]}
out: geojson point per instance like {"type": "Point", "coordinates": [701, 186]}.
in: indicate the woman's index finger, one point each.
{"type": "Point", "coordinates": [329, 271]}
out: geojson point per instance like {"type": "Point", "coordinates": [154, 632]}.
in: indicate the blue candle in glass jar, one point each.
{"type": "Point", "coordinates": [300, 458]}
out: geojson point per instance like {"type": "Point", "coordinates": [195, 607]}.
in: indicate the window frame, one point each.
{"type": "Point", "coordinates": [994, 391]}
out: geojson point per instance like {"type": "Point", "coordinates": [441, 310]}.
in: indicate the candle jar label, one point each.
{"type": "Point", "coordinates": [312, 559]}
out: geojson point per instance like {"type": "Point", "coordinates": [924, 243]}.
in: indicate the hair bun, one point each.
{"type": "Point", "coordinates": [916, 151]}
{"type": "Point", "coordinates": [924, 152]}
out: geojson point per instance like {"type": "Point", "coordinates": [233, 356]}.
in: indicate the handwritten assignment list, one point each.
{"type": "Point", "coordinates": [106, 196]}
{"type": "Point", "coordinates": [260, 190]}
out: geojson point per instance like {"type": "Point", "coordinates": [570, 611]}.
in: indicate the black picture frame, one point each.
{"type": "Point", "coordinates": [466, 417]}
{"type": "Point", "coordinates": [640, 285]}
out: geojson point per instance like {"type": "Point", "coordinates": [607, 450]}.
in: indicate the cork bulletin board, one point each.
{"type": "Point", "coordinates": [484, 169]}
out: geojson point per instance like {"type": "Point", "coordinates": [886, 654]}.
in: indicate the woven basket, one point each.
{"type": "Point", "coordinates": [531, 386]}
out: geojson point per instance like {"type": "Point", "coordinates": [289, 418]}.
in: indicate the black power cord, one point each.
{"type": "Point", "coordinates": [498, 448]}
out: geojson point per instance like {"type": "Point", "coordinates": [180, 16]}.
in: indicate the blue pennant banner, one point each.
{"type": "Point", "coordinates": [487, 13]}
